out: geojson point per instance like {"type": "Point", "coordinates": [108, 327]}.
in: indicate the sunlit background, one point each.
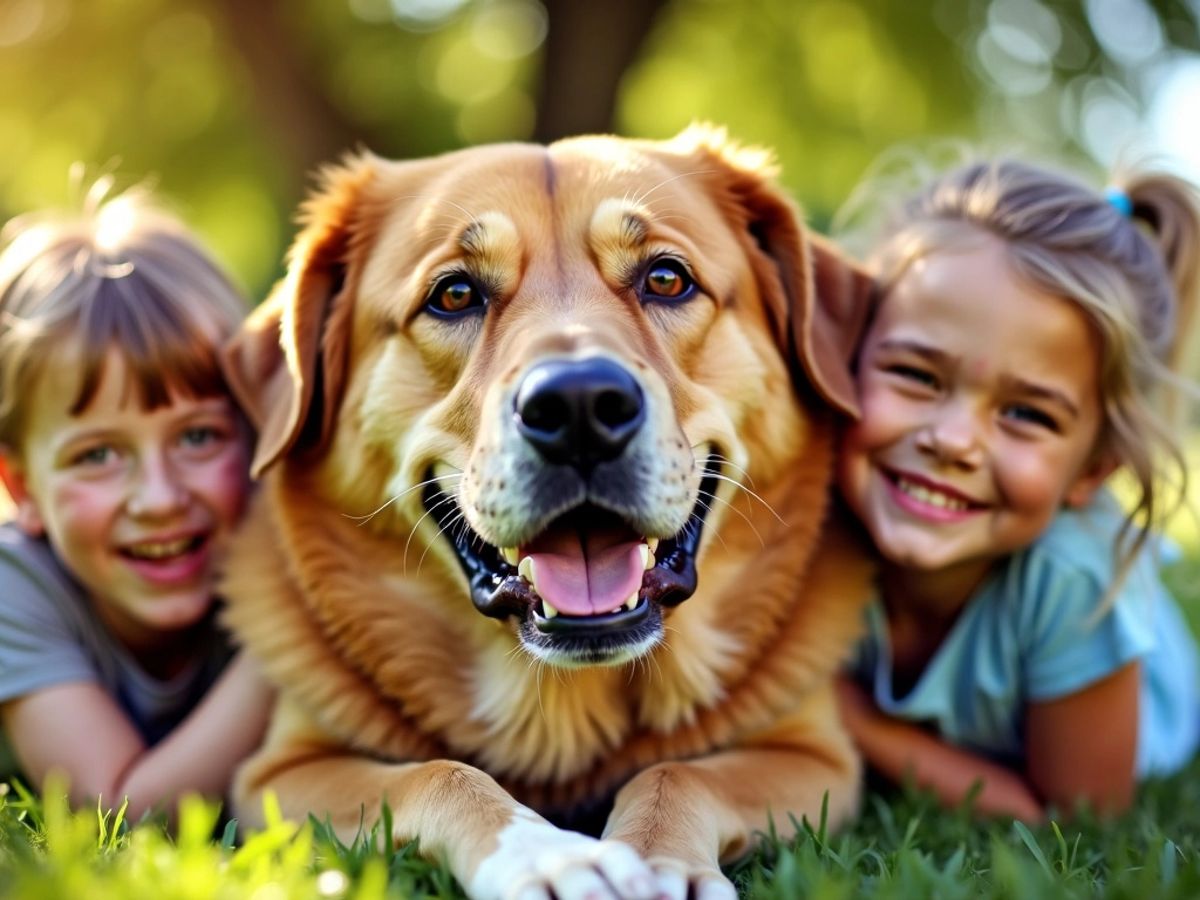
{"type": "Point", "coordinates": [230, 104]}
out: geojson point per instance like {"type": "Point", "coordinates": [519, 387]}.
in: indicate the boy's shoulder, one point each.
{"type": "Point", "coordinates": [18, 550]}
{"type": "Point", "coordinates": [28, 558]}
{"type": "Point", "coordinates": [34, 584]}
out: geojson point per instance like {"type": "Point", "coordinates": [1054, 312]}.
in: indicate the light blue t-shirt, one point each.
{"type": "Point", "coordinates": [1035, 631]}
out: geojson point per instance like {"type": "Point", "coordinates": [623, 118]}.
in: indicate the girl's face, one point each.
{"type": "Point", "coordinates": [980, 414]}
{"type": "Point", "coordinates": [135, 503]}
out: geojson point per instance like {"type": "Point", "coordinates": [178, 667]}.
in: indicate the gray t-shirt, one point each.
{"type": "Point", "coordinates": [50, 635]}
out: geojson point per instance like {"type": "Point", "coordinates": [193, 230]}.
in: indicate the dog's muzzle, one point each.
{"type": "Point", "coordinates": [589, 587]}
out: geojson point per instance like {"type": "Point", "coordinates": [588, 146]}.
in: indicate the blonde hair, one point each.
{"type": "Point", "coordinates": [1128, 259]}
{"type": "Point", "coordinates": [118, 274]}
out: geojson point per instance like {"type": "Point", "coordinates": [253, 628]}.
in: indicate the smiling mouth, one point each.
{"type": "Point", "coordinates": [589, 574]}
{"type": "Point", "coordinates": [927, 493]}
{"type": "Point", "coordinates": [163, 551]}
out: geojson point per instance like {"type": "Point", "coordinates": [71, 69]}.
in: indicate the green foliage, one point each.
{"type": "Point", "coordinates": [902, 848]}
{"type": "Point", "coordinates": [230, 104]}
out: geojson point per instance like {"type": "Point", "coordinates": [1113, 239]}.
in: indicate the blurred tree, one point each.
{"type": "Point", "coordinates": [303, 124]}
{"type": "Point", "coordinates": [588, 49]}
{"type": "Point", "coordinates": [232, 103]}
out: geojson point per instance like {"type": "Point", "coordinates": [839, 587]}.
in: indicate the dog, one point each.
{"type": "Point", "coordinates": [542, 553]}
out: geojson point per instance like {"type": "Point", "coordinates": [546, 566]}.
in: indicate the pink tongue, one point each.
{"type": "Point", "coordinates": [586, 575]}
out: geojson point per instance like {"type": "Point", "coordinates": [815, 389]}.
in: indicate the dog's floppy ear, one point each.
{"type": "Point", "coordinates": [819, 300]}
{"type": "Point", "coordinates": [287, 363]}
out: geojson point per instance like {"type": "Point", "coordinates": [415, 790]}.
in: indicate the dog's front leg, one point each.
{"type": "Point", "coordinates": [496, 848]}
{"type": "Point", "coordinates": [687, 818]}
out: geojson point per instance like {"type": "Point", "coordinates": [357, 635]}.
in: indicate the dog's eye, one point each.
{"type": "Point", "coordinates": [667, 279]}
{"type": "Point", "coordinates": [454, 295]}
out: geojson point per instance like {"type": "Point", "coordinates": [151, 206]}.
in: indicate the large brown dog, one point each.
{"type": "Point", "coordinates": [546, 434]}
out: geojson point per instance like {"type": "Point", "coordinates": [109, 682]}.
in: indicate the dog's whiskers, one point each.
{"type": "Point", "coordinates": [745, 518]}
{"type": "Point", "coordinates": [456, 519]}
{"type": "Point", "coordinates": [698, 464]}
{"type": "Point", "coordinates": [412, 531]}
{"type": "Point", "coordinates": [741, 470]}
{"type": "Point", "coordinates": [767, 505]}
{"type": "Point", "coordinates": [707, 509]}
{"type": "Point", "coordinates": [469, 217]}
{"type": "Point", "coordinates": [363, 520]}
{"type": "Point", "coordinates": [640, 199]}
{"type": "Point", "coordinates": [652, 665]}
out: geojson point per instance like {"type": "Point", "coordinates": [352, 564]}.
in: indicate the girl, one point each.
{"type": "Point", "coordinates": [1016, 359]}
{"type": "Point", "coordinates": [126, 461]}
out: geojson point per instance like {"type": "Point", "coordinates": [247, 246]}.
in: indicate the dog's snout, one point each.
{"type": "Point", "coordinates": [579, 412]}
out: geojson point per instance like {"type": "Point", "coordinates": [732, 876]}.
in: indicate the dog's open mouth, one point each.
{"type": "Point", "coordinates": [589, 573]}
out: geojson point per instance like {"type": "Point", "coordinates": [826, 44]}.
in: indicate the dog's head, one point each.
{"type": "Point", "coordinates": [549, 365]}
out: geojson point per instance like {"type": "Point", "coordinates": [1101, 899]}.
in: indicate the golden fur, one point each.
{"type": "Point", "coordinates": [349, 591]}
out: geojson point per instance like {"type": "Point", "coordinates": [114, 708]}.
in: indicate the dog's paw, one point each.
{"type": "Point", "coordinates": [676, 880]}
{"type": "Point", "coordinates": [536, 861]}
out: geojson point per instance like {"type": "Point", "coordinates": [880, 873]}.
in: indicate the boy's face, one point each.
{"type": "Point", "coordinates": [135, 503]}
{"type": "Point", "coordinates": [980, 414]}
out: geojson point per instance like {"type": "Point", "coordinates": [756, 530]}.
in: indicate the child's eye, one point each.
{"type": "Point", "coordinates": [100, 455]}
{"type": "Point", "coordinates": [1031, 415]}
{"type": "Point", "coordinates": [914, 374]}
{"type": "Point", "coordinates": [198, 436]}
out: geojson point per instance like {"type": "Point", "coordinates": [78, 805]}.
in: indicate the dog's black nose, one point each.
{"type": "Point", "coordinates": [579, 412]}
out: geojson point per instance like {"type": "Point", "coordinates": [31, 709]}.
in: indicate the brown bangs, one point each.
{"type": "Point", "coordinates": [167, 349]}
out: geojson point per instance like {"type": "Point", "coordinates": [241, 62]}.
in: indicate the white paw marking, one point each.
{"type": "Point", "coordinates": [534, 859]}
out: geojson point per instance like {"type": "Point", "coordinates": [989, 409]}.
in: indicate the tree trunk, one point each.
{"type": "Point", "coordinates": [589, 46]}
{"type": "Point", "coordinates": [305, 127]}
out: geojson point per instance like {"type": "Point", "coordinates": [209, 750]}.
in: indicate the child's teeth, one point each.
{"type": "Point", "coordinates": [160, 549]}
{"type": "Point", "coordinates": [933, 498]}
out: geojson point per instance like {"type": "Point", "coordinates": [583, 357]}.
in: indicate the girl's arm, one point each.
{"type": "Point", "coordinates": [78, 729]}
{"type": "Point", "coordinates": [900, 749]}
{"type": "Point", "coordinates": [1079, 749]}
{"type": "Point", "coordinates": [1083, 747]}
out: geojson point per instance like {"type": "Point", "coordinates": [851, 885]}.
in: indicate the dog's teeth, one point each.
{"type": "Point", "coordinates": [647, 558]}
{"type": "Point", "coordinates": [652, 543]}
{"type": "Point", "coordinates": [632, 602]}
{"type": "Point", "coordinates": [550, 611]}
{"type": "Point", "coordinates": [525, 570]}
{"type": "Point", "coordinates": [510, 555]}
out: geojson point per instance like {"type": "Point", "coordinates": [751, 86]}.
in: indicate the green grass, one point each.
{"type": "Point", "coordinates": [902, 847]}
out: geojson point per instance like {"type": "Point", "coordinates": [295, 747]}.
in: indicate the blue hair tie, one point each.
{"type": "Point", "coordinates": [1119, 200]}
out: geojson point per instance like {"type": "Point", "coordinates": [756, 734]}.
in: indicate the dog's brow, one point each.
{"type": "Point", "coordinates": [634, 228]}
{"type": "Point", "coordinates": [473, 240]}
{"type": "Point", "coordinates": [487, 234]}
{"type": "Point", "coordinates": [620, 224]}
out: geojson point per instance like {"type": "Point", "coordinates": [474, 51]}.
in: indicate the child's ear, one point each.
{"type": "Point", "coordinates": [1090, 479]}
{"type": "Point", "coordinates": [29, 518]}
